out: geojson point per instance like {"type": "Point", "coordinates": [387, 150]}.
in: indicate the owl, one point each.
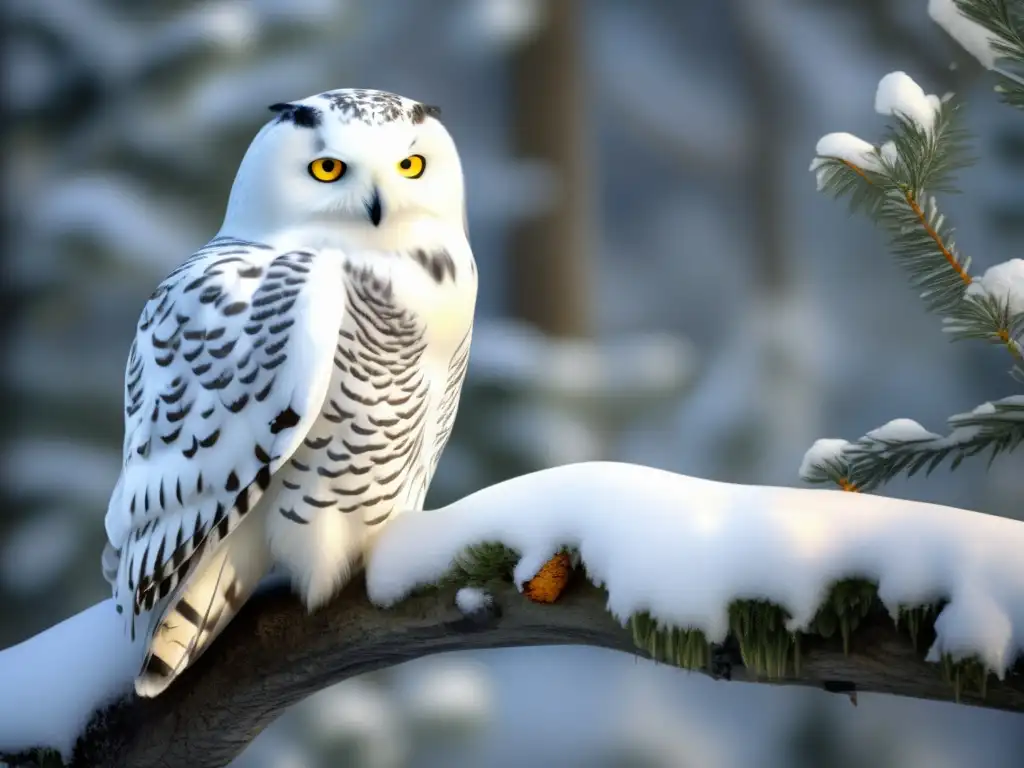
{"type": "Point", "coordinates": [292, 384]}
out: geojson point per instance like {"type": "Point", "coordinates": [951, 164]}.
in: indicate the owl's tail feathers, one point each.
{"type": "Point", "coordinates": [203, 606]}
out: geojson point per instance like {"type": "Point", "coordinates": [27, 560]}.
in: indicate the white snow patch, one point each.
{"type": "Point", "coordinates": [966, 426]}
{"type": "Point", "coordinates": [901, 431]}
{"type": "Point", "coordinates": [55, 681]}
{"type": "Point", "coordinates": [472, 599]}
{"type": "Point", "coordinates": [823, 451]}
{"type": "Point", "coordinates": [1003, 282]}
{"type": "Point", "coordinates": [682, 548]}
{"type": "Point", "coordinates": [971, 36]}
{"type": "Point", "coordinates": [852, 149]}
{"type": "Point", "coordinates": [898, 94]}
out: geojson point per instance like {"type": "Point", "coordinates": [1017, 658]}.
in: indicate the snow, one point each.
{"type": "Point", "coordinates": [852, 149]}
{"type": "Point", "coordinates": [682, 548]}
{"type": "Point", "coordinates": [966, 426]}
{"type": "Point", "coordinates": [901, 431]}
{"type": "Point", "coordinates": [823, 451]}
{"type": "Point", "coordinates": [55, 681]}
{"type": "Point", "coordinates": [898, 94]}
{"type": "Point", "coordinates": [472, 599]}
{"type": "Point", "coordinates": [971, 36]}
{"type": "Point", "coordinates": [1004, 282]}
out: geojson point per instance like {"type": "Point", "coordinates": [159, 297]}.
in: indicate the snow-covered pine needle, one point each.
{"type": "Point", "coordinates": [992, 31]}
{"type": "Point", "coordinates": [903, 446]}
{"type": "Point", "coordinates": [894, 184]}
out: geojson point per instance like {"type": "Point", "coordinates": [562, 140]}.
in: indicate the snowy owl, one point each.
{"type": "Point", "coordinates": [291, 385]}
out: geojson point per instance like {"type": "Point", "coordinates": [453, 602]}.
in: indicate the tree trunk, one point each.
{"type": "Point", "coordinates": [549, 254]}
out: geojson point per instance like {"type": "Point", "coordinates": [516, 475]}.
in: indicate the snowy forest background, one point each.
{"type": "Point", "coordinates": [638, 184]}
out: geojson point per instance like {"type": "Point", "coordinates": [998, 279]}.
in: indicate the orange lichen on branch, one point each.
{"type": "Point", "coordinates": [847, 486]}
{"type": "Point", "coordinates": [550, 580]}
{"type": "Point", "coordinates": [946, 253]}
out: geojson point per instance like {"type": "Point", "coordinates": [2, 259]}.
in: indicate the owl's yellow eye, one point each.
{"type": "Point", "coordinates": [326, 169]}
{"type": "Point", "coordinates": [413, 166]}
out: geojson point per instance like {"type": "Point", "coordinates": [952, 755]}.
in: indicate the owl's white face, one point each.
{"type": "Point", "coordinates": [361, 168]}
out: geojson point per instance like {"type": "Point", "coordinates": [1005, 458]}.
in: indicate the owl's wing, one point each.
{"type": "Point", "coordinates": [229, 368]}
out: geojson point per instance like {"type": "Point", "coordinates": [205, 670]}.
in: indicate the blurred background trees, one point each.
{"type": "Point", "coordinates": [660, 284]}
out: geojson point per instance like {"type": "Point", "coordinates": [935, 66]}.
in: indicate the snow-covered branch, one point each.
{"type": "Point", "coordinates": [894, 182]}
{"type": "Point", "coordinates": [890, 182]}
{"type": "Point", "coordinates": [845, 592]}
{"type": "Point", "coordinates": [902, 446]}
{"type": "Point", "coordinates": [993, 32]}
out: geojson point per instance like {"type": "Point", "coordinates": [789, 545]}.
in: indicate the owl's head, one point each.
{"type": "Point", "coordinates": [363, 165]}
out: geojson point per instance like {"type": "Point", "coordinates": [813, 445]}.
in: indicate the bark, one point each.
{"type": "Point", "coordinates": [273, 655]}
{"type": "Point", "coordinates": [549, 255]}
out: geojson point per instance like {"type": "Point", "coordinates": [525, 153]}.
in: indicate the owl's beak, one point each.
{"type": "Point", "coordinates": [373, 208]}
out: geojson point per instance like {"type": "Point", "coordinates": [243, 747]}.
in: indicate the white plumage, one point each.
{"type": "Point", "coordinates": [292, 385]}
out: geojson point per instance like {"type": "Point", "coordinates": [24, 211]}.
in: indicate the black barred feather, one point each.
{"type": "Point", "coordinates": [220, 387]}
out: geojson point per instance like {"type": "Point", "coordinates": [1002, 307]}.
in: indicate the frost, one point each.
{"type": "Point", "coordinates": [1003, 282]}
{"type": "Point", "coordinates": [683, 548]}
{"type": "Point", "coordinates": [55, 681]}
{"type": "Point", "coordinates": [472, 600]}
{"type": "Point", "coordinates": [971, 36]}
{"type": "Point", "coordinates": [901, 431]}
{"type": "Point", "coordinates": [822, 452]}
{"type": "Point", "coordinates": [898, 94]}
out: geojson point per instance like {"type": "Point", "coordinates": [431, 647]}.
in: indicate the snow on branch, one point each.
{"type": "Point", "coordinates": [844, 592]}
{"type": "Point", "coordinates": [894, 181]}
{"type": "Point", "coordinates": [992, 31]}
{"type": "Point", "coordinates": [902, 446]}
{"type": "Point", "coordinates": [890, 181]}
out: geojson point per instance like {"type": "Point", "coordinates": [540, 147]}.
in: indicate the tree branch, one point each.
{"type": "Point", "coordinates": [274, 655]}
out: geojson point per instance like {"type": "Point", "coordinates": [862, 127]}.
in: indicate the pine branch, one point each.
{"type": "Point", "coordinates": [988, 318]}
{"type": "Point", "coordinates": [905, 448]}
{"type": "Point", "coordinates": [892, 191]}
{"type": "Point", "coordinates": [913, 159]}
{"type": "Point", "coordinates": [1005, 20]}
